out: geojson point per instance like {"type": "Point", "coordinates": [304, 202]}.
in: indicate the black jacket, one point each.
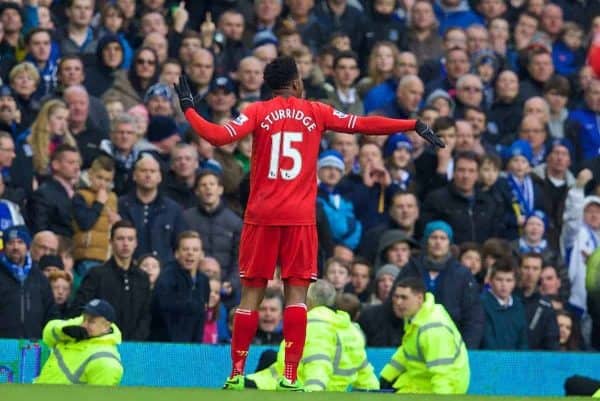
{"type": "Point", "coordinates": [220, 231]}
{"type": "Point", "coordinates": [475, 220]}
{"type": "Point", "coordinates": [381, 326]}
{"type": "Point", "coordinates": [25, 309]}
{"type": "Point", "coordinates": [157, 230]}
{"type": "Point", "coordinates": [542, 327]}
{"type": "Point", "coordinates": [179, 305]}
{"type": "Point", "coordinates": [504, 118]}
{"type": "Point", "coordinates": [457, 290]}
{"type": "Point", "coordinates": [179, 191]}
{"type": "Point", "coordinates": [50, 209]}
{"type": "Point", "coordinates": [128, 291]}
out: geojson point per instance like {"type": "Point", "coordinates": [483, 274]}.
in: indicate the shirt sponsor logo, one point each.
{"type": "Point", "coordinates": [240, 120]}
{"type": "Point", "coordinates": [339, 114]}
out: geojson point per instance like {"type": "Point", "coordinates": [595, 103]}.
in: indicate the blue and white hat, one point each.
{"type": "Point", "coordinates": [396, 141]}
{"type": "Point", "coordinates": [331, 158]}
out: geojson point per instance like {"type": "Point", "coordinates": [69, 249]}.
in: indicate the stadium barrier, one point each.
{"type": "Point", "coordinates": [185, 365]}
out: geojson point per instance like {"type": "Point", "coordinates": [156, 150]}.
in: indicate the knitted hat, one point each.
{"type": "Point", "coordinates": [264, 37]}
{"type": "Point", "coordinates": [396, 141]}
{"type": "Point", "coordinates": [160, 128]}
{"type": "Point", "coordinates": [591, 199]}
{"type": "Point", "coordinates": [390, 269]}
{"type": "Point", "coordinates": [158, 89]}
{"type": "Point", "coordinates": [15, 232]}
{"type": "Point", "coordinates": [443, 94]}
{"type": "Point", "coordinates": [519, 148]}
{"type": "Point", "coordinates": [435, 226]}
{"type": "Point", "coordinates": [331, 158]}
{"type": "Point", "coordinates": [540, 215]}
{"type": "Point", "coordinates": [51, 261]}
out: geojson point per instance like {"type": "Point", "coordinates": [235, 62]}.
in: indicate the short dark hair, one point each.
{"type": "Point", "coordinates": [104, 163]}
{"type": "Point", "coordinates": [503, 265]}
{"type": "Point", "coordinates": [121, 224]}
{"type": "Point", "coordinates": [343, 55]}
{"type": "Point", "coordinates": [443, 123]}
{"type": "Point", "coordinates": [60, 150]}
{"type": "Point", "coordinates": [35, 31]}
{"type": "Point", "coordinates": [188, 234]}
{"type": "Point", "coordinates": [68, 57]}
{"type": "Point", "coordinates": [348, 303]}
{"type": "Point", "coordinates": [495, 160]}
{"type": "Point", "coordinates": [206, 172]}
{"type": "Point", "coordinates": [274, 293]}
{"type": "Point", "coordinates": [473, 108]}
{"type": "Point", "coordinates": [415, 284]}
{"type": "Point", "coordinates": [559, 84]}
{"type": "Point", "coordinates": [531, 255]}
{"type": "Point", "coordinates": [468, 246]}
{"type": "Point", "coordinates": [466, 155]}
{"type": "Point", "coordinates": [361, 261]}
{"type": "Point", "coordinates": [281, 72]}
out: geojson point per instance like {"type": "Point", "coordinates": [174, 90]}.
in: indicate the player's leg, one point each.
{"type": "Point", "coordinates": [299, 267]}
{"type": "Point", "coordinates": [257, 261]}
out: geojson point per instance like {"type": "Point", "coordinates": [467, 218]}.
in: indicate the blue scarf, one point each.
{"type": "Point", "coordinates": [523, 193]}
{"type": "Point", "coordinates": [525, 248]}
{"type": "Point", "coordinates": [20, 273]}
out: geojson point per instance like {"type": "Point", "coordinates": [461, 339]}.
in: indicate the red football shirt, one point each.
{"type": "Point", "coordinates": [285, 148]}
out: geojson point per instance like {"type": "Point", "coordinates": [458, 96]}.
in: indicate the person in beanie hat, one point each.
{"type": "Point", "coordinates": [533, 239]}
{"type": "Point", "coordinates": [159, 100]}
{"type": "Point", "coordinates": [50, 263]}
{"type": "Point", "coordinates": [27, 298]}
{"type": "Point", "coordinates": [397, 151]}
{"type": "Point", "coordinates": [452, 284]}
{"type": "Point", "coordinates": [163, 134]}
{"type": "Point", "coordinates": [345, 228]}
{"type": "Point", "coordinates": [527, 193]}
{"type": "Point", "coordinates": [84, 349]}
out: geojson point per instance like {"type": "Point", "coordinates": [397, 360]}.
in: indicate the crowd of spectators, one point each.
{"type": "Point", "coordinates": [106, 192]}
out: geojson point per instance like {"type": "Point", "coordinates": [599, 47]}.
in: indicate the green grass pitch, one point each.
{"type": "Point", "coordinates": [29, 392]}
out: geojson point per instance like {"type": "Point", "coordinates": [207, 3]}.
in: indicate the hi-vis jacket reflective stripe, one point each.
{"type": "Point", "coordinates": [93, 361]}
{"type": "Point", "coordinates": [334, 357]}
{"type": "Point", "coordinates": [433, 357]}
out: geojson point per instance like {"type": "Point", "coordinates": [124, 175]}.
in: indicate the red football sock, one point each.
{"type": "Point", "coordinates": [245, 323]}
{"type": "Point", "coordinates": [294, 334]}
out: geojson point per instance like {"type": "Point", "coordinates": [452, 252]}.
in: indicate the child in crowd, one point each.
{"type": "Point", "coordinates": [94, 213]}
{"type": "Point", "coordinates": [151, 265]}
{"type": "Point", "coordinates": [360, 279]}
{"type": "Point", "coordinates": [397, 152]}
{"type": "Point", "coordinates": [505, 323]}
{"type": "Point", "coordinates": [61, 282]}
{"type": "Point", "coordinates": [384, 280]}
{"type": "Point", "coordinates": [533, 237]}
{"type": "Point", "coordinates": [470, 257]}
{"type": "Point", "coordinates": [114, 107]}
{"type": "Point", "coordinates": [211, 329]}
{"type": "Point", "coordinates": [568, 53]}
{"type": "Point", "coordinates": [345, 227]}
{"type": "Point", "coordinates": [337, 272]}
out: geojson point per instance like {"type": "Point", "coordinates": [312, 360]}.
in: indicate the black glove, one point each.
{"type": "Point", "coordinates": [428, 134]}
{"type": "Point", "coordinates": [186, 100]}
{"type": "Point", "coordinates": [77, 332]}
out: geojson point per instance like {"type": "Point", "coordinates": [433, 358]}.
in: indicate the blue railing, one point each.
{"type": "Point", "coordinates": [185, 365]}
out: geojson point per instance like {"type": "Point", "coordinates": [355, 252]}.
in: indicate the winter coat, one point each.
{"type": "Point", "coordinates": [158, 224]}
{"type": "Point", "coordinates": [50, 208]}
{"type": "Point", "coordinates": [542, 326]}
{"type": "Point", "coordinates": [471, 221]}
{"type": "Point", "coordinates": [179, 305]}
{"type": "Point", "coordinates": [128, 291]}
{"type": "Point", "coordinates": [457, 290]}
{"type": "Point", "coordinates": [345, 227]}
{"type": "Point", "coordinates": [91, 226]}
{"type": "Point", "coordinates": [27, 307]}
{"type": "Point", "coordinates": [122, 89]}
{"type": "Point", "coordinates": [460, 16]}
{"type": "Point", "coordinates": [380, 324]}
{"type": "Point", "coordinates": [505, 326]}
{"type": "Point", "coordinates": [220, 231]}
{"type": "Point", "coordinates": [589, 131]}
{"type": "Point", "coordinates": [179, 191]}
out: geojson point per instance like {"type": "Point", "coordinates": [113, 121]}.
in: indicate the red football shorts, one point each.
{"type": "Point", "coordinates": [293, 248]}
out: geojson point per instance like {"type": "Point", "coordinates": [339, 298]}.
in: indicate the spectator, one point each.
{"type": "Point", "coordinates": [60, 283]}
{"type": "Point", "coordinates": [456, 64]}
{"type": "Point", "coordinates": [43, 243]}
{"type": "Point", "coordinates": [131, 86]}
{"type": "Point", "coordinates": [159, 100]}
{"type": "Point", "coordinates": [161, 138]}
{"type": "Point", "coordinates": [394, 248]}
{"type": "Point", "coordinates": [473, 215]}
{"type": "Point", "coordinates": [213, 312]}
{"type": "Point", "coordinates": [533, 130]}
{"type": "Point", "coordinates": [383, 324]}
{"type": "Point", "coordinates": [50, 207]}
{"type": "Point", "coordinates": [343, 94]}
{"type": "Point", "coordinates": [250, 78]}
{"type": "Point", "coordinates": [455, 13]}
{"type": "Point", "coordinates": [491, 9]}
{"type": "Point", "coordinates": [86, 134]}
{"type": "Point", "coordinates": [540, 69]}
{"type": "Point", "coordinates": [568, 52]}
{"type": "Point", "coordinates": [470, 256]}
{"type": "Point", "coordinates": [218, 226]}
{"type": "Point", "coordinates": [423, 39]}
{"type": "Point", "coordinates": [270, 317]}
{"type": "Point", "coordinates": [28, 303]}
{"type": "Point", "coordinates": [110, 58]}
{"type": "Point", "coordinates": [231, 25]}
{"type": "Point", "coordinates": [337, 272]}
{"type": "Point", "coordinates": [179, 182]}
{"type": "Point", "coordinates": [409, 94]}
{"type": "Point", "coordinates": [345, 227]}
{"type": "Point", "coordinates": [383, 59]}
{"type": "Point", "coordinates": [541, 319]}
{"type": "Point", "coordinates": [551, 281]}
{"type": "Point", "coordinates": [569, 331]}
{"type": "Point", "coordinates": [220, 100]}
{"type": "Point", "coordinates": [557, 92]}
{"type": "Point", "coordinates": [94, 213]}
{"type": "Point", "coordinates": [181, 294]}
{"type": "Point", "coordinates": [78, 36]}
{"type": "Point", "coordinates": [505, 324]}
{"type": "Point", "coordinates": [24, 80]}
{"type": "Point", "coordinates": [200, 70]}
{"type": "Point", "coordinates": [469, 92]}
{"type": "Point", "coordinates": [112, 20]}
{"type": "Point", "coordinates": [533, 238]}
{"type": "Point", "coordinates": [361, 275]}
{"type": "Point", "coordinates": [159, 44]}
{"type": "Point", "coordinates": [587, 117]}
{"type": "Point", "coordinates": [39, 52]}
{"type": "Point", "coordinates": [347, 145]}
{"type": "Point", "coordinates": [339, 16]}
{"type": "Point", "coordinates": [122, 283]}
{"type": "Point", "coordinates": [451, 284]}
{"type": "Point", "coordinates": [149, 264]}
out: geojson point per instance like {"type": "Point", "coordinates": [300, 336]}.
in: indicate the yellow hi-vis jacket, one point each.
{"type": "Point", "coordinates": [433, 357]}
{"type": "Point", "coordinates": [334, 357]}
{"type": "Point", "coordinates": [94, 360]}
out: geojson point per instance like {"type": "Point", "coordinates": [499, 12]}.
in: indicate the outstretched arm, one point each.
{"type": "Point", "coordinates": [375, 125]}
{"type": "Point", "coordinates": [217, 135]}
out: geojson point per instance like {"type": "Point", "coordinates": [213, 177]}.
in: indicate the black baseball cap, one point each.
{"type": "Point", "coordinates": [99, 307]}
{"type": "Point", "coordinates": [222, 82]}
